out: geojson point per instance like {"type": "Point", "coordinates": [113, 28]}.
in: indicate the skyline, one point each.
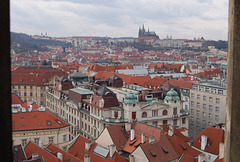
{"type": "Point", "coordinates": [120, 18]}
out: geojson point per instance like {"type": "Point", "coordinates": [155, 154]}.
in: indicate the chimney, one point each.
{"type": "Point", "coordinates": [142, 138]}
{"type": "Point", "coordinates": [170, 131]}
{"type": "Point", "coordinates": [152, 139]}
{"type": "Point", "coordinates": [87, 158]}
{"type": "Point", "coordinates": [40, 144]}
{"type": "Point", "coordinates": [203, 142]}
{"type": "Point", "coordinates": [128, 126]}
{"type": "Point", "coordinates": [112, 149]}
{"type": "Point", "coordinates": [60, 156]}
{"type": "Point", "coordinates": [87, 146]}
{"type": "Point", "coordinates": [201, 158]}
{"type": "Point", "coordinates": [132, 135]}
{"type": "Point", "coordinates": [131, 158]}
{"type": "Point", "coordinates": [35, 156]}
{"type": "Point", "coordinates": [221, 150]}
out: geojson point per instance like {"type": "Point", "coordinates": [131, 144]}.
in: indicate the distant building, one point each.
{"type": "Point", "coordinates": [143, 33]}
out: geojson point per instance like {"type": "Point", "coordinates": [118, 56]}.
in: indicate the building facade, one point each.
{"type": "Point", "coordinates": [207, 106]}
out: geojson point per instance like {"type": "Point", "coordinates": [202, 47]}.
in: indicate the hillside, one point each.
{"type": "Point", "coordinates": [23, 43]}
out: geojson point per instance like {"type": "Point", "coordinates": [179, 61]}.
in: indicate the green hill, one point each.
{"type": "Point", "coordinates": [23, 43]}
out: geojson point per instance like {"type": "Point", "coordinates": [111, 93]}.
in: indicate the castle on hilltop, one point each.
{"type": "Point", "coordinates": [143, 33]}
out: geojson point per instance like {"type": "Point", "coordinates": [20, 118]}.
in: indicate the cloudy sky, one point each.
{"type": "Point", "coordinates": [121, 18]}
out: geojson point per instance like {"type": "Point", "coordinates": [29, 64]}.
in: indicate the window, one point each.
{"type": "Point", "coordinates": [198, 96]}
{"type": "Point", "coordinates": [220, 91]}
{"type": "Point", "coordinates": [210, 99]}
{"type": "Point", "coordinates": [30, 93]}
{"type": "Point", "coordinates": [175, 122]}
{"type": "Point", "coordinates": [198, 112]}
{"type": "Point", "coordinates": [204, 98]}
{"type": "Point", "coordinates": [165, 122]}
{"type": "Point", "coordinates": [204, 114]}
{"type": "Point", "coordinates": [192, 103]}
{"type": "Point", "coordinates": [216, 117]}
{"type": "Point", "coordinates": [204, 106]}
{"type": "Point", "coordinates": [41, 94]}
{"type": "Point", "coordinates": [175, 111]}
{"type": "Point", "coordinates": [186, 99]}
{"type": "Point", "coordinates": [198, 104]}
{"type": "Point", "coordinates": [217, 100]}
{"type": "Point", "coordinates": [210, 107]}
{"type": "Point", "coordinates": [116, 114]}
{"type": "Point", "coordinates": [36, 141]}
{"type": "Point", "coordinates": [183, 120]}
{"type": "Point", "coordinates": [213, 91]}
{"type": "Point", "coordinates": [207, 89]}
{"type": "Point", "coordinates": [24, 142]}
{"type": "Point", "coordinates": [204, 123]}
{"type": "Point", "coordinates": [192, 119]}
{"type": "Point", "coordinates": [134, 115]}
{"type": "Point", "coordinates": [210, 116]}
{"type": "Point", "coordinates": [217, 109]}
{"type": "Point", "coordinates": [154, 113]}
{"type": "Point", "coordinates": [192, 111]}
{"type": "Point", "coordinates": [144, 114]}
{"type": "Point", "coordinates": [25, 87]}
{"type": "Point", "coordinates": [25, 93]}
{"type": "Point", "coordinates": [165, 112]}
{"type": "Point", "coordinates": [192, 95]}
{"type": "Point", "coordinates": [198, 120]}
{"type": "Point", "coordinates": [209, 123]}
{"type": "Point", "coordinates": [50, 139]}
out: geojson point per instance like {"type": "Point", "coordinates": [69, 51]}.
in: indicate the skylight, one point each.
{"type": "Point", "coordinates": [102, 151]}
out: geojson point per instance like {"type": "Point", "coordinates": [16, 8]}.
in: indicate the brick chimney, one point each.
{"type": "Point", "coordinates": [132, 134]}
{"type": "Point", "coordinates": [128, 126]}
{"type": "Point", "coordinates": [87, 146]}
{"type": "Point", "coordinates": [203, 142]}
{"type": "Point", "coordinates": [112, 149]}
{"type": "Point", "coordinates": [142, 138]}
{"type": "Point", "coordinates": [60, 156]}
{"type": "Point", "coordinates": [87, 158]}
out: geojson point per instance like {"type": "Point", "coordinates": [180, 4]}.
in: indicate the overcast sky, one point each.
{"type": "Point", "coordinates": [121, 18]}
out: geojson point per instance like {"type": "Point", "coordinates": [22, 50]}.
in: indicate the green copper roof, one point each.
{"type": "Point", "coordinates": [172, 95]}
{"type": "Point", "coordinates": [130, 98]}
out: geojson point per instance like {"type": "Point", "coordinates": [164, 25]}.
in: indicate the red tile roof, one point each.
{"type": "Point", "coordinates": [187, 158]}
{"type": "Point", "coordinates": [78, 149]}
{"type": "Point", "coordinates": [36, 120]}
{"type": "Point", "coordinates": [214, 137]}
{"type": "Point", "coordinates": [66, 156]}
{"type": "Point", "coordinates": [32, 148]}
{"type": "Point", "coordinates": [35, 77]}
{"type": "Point", "coordinates": [16, 99]}
{"type": "Point", "coordinates": [161, 150]}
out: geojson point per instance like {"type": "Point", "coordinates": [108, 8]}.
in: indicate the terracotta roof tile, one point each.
{"type": "Point", "coordinates": [32, 148]}
{"type": "Point", "coordinates": [35, 120]}
{"type": "Point", "coordinates": [214, 137]}
{"type": "Point", "coordinates": [66, 156]}
{"type": "Point", "coordinates": [78, 149]}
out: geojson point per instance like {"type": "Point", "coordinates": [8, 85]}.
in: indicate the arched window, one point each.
{"type": "Point", "coordinates": [164, 112]}
{"type": "Point", "coordinates": [144, 114]}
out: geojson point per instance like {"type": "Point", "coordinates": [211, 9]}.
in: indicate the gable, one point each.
{"type": "Point", "coordinates": [104, 139]}
{"type": "Point", "coordinates": [139, 155]}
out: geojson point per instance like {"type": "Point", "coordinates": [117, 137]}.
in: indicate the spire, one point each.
{"type": "Point", "coordinates": [148, 29]}
{"type": "Point", "coordinates": [143, 28]}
